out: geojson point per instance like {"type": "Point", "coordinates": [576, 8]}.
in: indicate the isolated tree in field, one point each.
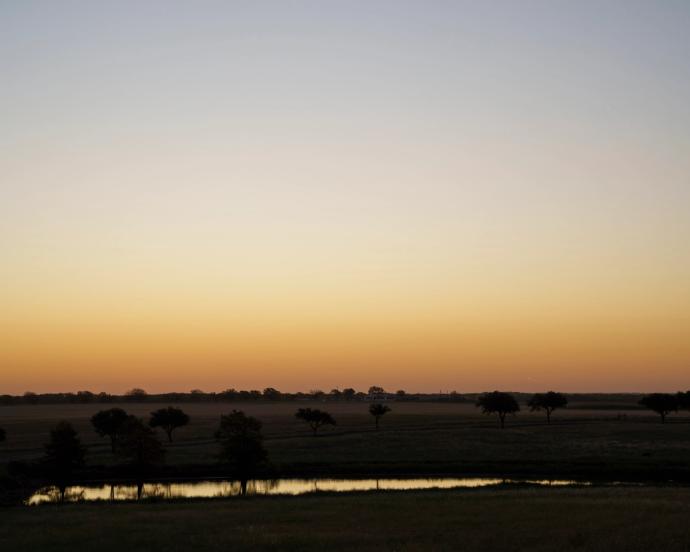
{"type": "Point", "coordinates": [661, 403]}
{"type": "Point", "coordinates": [547, 402]}
{"type": "Point", "coordinates": [315, 418]}
{"type": "Point", "coordinates": [375, 390]}
{"type": "Point", "coordinates": [498, 403]}
{"type": "Point", "coordinates": [108, 422]}
{"type": "Point", "coordinates": [139, 444]}
{"type": "Point", "coordinates": [169, 419]}
{"type": "Point", "coordinates": [3, 436]}
{"type": "Point", "coordinates": [241, 443]}
{"type": "Point", "coordinates": [377, 410]}
{"type": "Point", "coordinates": [64, 454]}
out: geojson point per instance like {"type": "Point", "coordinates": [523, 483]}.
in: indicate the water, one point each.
{"type": "Point", "coordinates": [222, 488]}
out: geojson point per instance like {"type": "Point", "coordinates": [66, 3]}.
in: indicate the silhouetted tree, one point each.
{"type": "Point", "coordinates": [272, 394]}
{"type": "Point", "coordinates": [335, 394]}
{"type": "Point", "coordinates": [548, 402]}
{"type": "Point", "coordinates": [136, 395]}
{"type": "Point", "coordinates": [169, 419]}
{"type": "Point", "coordinates": [64, 454]}
{"type": "Point", "coordinates": [661, 403]}
{"type": "Point", "coordinates": [108, 422]}
{"type": "Point", "coordinates": [349, 394]}
{"type": "Point", "coordinates": [376, 390]}
{"type": "Point", "coordinates": [103, 397]}
{"type": "Point", "coordinates": [317, 394]}
{"type": "Point", "coordinates": [241, 443]}
{"type": "Point", "coordinates": [85, 396]}
{"type": "Point", "coordinates": [3, 435]}
{"type": "Point", "coordinates": [377, 410]}
{"type": "Point", "coordinates": [139, 444]}
{"type": "Point", "coordinates": [315, 418]}
{"type": "Point", "coordinates": [499, 403]}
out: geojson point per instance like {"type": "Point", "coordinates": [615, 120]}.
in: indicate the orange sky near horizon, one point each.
{"type": "Point", "coordinates": [344, 195]}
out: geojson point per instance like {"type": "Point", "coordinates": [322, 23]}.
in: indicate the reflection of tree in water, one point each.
{"type": "Point", "coordinates": [262, 486]}
{"type": "Point", "coordinates": [57, 495]}
{"type": "Point", "coordinates": [247, 487]}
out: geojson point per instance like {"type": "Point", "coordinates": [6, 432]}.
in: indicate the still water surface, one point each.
{"type": "Point", "coordinates": [221, 488]}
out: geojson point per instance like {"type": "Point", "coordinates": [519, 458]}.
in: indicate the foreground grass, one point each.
{"type": "Point", "coordinates": [596, 519]}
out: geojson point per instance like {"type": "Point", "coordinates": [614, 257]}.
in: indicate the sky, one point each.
{"type": "Point", "coordinates": [423, 195]}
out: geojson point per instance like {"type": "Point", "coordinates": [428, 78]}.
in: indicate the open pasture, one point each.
{"type": "Point", "coordinates": [414, 438]}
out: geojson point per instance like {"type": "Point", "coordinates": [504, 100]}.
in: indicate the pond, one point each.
{"type": "Point", "coordinates": [224, 488]}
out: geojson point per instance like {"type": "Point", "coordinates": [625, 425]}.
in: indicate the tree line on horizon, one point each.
{"type": "Point", "coordinates": [229, 395]}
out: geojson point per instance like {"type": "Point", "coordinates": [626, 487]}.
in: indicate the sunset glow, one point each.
{"type": "Point", "coordinates": [327, 195]}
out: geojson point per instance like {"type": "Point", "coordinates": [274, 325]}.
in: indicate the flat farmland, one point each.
{"type": "Point", "coordinates": [415, 437]}
{"type": "Point", "coordinates": [539, 520]}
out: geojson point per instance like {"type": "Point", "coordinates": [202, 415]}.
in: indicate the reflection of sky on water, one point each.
{"type": "Point", "coordinates": [213, 489]}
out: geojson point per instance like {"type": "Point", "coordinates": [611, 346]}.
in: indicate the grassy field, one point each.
{"type": "Point", "coordinates": [596, 519]}
{"type": "Point", "coordinates": [414, 438]}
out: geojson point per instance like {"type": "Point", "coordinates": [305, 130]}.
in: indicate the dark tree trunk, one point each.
{"type": "Point", "coordinates": [502, 420]}
{"type": "Point", "coordinates": [113, 439]}
{"type": "Point", "coordinates": [663, 417]}
{"type": "Point", "coordinates": [548, 416]}
{"type": "Point", "coordinates": [169, 432]}
{"type": "Point", "coordinates": [377, 423]}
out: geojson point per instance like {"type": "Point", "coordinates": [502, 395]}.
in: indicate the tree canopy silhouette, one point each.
{"type": "Point", "coordinates": [349, 393]}
{"type": "Point", "coordinates": [377, 410]}
{"type": "Point", "coordinates": [315, 418]}
{"type": "Point", "coordinates": [241, 445]}
{"type": "Point", "coordinates": [138, 443]}
{"type": "Point", "coordinates": [108, 422]}
{"type": "Point", "coordinates": [136, 395]}
{"type": "Point", "coordinates": [169, 419]}
{"type": "Point", "coordinates": [272, 394]}
{"type": "Point", "coordinates": [64, 454]}
{"type": "Point", "coordinates": [661, 403]}
{"type": "Point", "coordinates": [548, 402]}
{"type": "Point", "coordinates": [498, 403]}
